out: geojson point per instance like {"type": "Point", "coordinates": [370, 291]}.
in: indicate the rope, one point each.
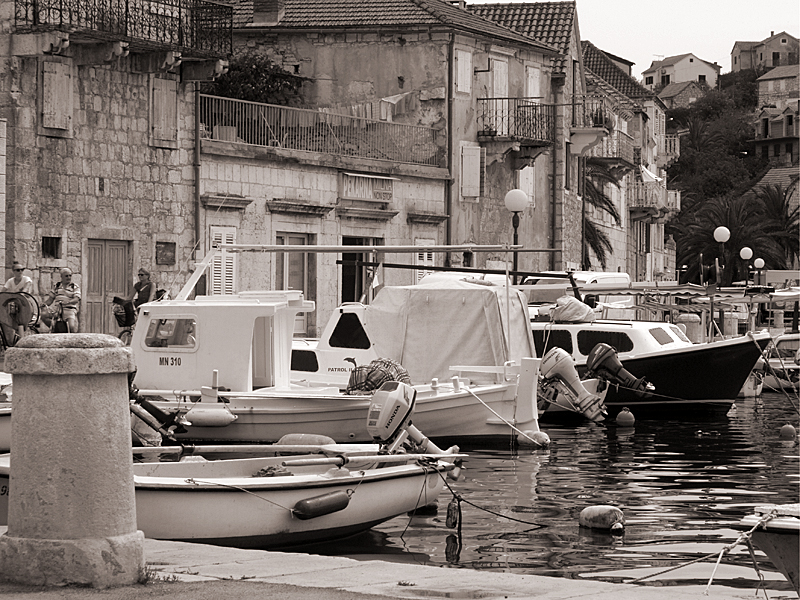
{"type": "Point", "coordinates": [522, 433]}
{"type": "Point", "coordinates": [742, 537]}
{"type": "Point", "coordinates": [774, 374]}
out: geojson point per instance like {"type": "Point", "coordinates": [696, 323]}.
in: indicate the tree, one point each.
{"type": "Point", "coordinates": [254, 77]}
{"type": "Point", "coordinates": [596, 176]}
{"type": "Point", "coordinates": [783, 219]}
{"type": "Point", "coordinates": [748, 226]}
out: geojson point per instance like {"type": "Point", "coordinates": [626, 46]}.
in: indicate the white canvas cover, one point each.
{"type": "Point", "coordinates": [429, 327]}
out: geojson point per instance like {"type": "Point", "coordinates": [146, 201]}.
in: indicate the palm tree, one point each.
{"type": "Point", "coordinates": [748, 225]}
{"type": "Point", "coordinates": [784, 219]}
{"type": "Point", "coordinates": [596, 176]}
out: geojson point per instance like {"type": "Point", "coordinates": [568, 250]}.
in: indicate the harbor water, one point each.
{"type": "Point", "coordinates": [681, 484]}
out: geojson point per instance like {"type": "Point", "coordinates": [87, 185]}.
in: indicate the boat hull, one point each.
{"type": "Point", "coordinates": [441, 413]}
{"type": "Point", "coordinates": [5, 428]}
{"type": "Point", "coordinates": [778, 537]}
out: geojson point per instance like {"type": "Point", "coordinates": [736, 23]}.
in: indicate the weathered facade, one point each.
{"type": "Point", "coordinates": [777, 50]}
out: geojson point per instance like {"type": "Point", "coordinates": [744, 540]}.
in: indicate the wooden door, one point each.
{"type": "Point", "coordinates": [108, 275]}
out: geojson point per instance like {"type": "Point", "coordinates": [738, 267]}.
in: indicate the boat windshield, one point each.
{"type": "Point", "coordinates": [171, 333]}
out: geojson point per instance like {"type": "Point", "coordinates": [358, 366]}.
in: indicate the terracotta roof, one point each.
{"type": "Point", "coordinates": [548, 22]}
{"type": "Point", "coordinates": [325, 14]}
{"type": "Point", "coordinates": [671, 60]}
{"type": "Point", "coordinates": [598, 63]}
{"type": "Point", "coordinates": [673, 89]}
{"type": "Point", "coordinates": [786, 177]}
{"type": "Point", "coordinates": [781, 73]}
{"type": "Point", "coordinates": [622, 104]}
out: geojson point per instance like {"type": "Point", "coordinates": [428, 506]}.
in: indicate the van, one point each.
{"type": "Point", "coordinates": [545, 290]}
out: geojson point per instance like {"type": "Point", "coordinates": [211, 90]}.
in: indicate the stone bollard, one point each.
{"type": "Point", "coordinates": [72, 512]}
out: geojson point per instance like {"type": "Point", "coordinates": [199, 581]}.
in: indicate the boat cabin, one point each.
{"type": "Point", "coordinates": [238, 342]}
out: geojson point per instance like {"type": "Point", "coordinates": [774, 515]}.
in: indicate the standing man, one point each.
{"type": "Point", "coordinates": [68, 295]}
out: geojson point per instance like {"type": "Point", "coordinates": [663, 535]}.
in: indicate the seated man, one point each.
{"type": "Point", "coordinates": [68, 295]}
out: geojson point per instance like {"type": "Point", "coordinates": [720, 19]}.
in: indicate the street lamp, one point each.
{"type": "Point", "coordinates": [759, 264]}
{"type": "Point", "coordinates": [516, 201]}
{"type": "Point", "coordinates": [746, 254]}
{"type": "Point", "coordinates": [721, 235]}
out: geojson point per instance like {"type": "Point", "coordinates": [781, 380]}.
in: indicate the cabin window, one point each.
{"type": "Point", "coordinates": [679, 334]}
{"type": "Point", "coordinates": [172, 333]}
{"type": "Point", "coordinates": [616, 339]}
{"type": "Point", "coordinates": [554, 338]}
{"type": "Point", "coordinates": [304, 360]}
{"type": "Point", "coordinates": [785, 349]}
{"type": "Point", "coordinates": [662, 335]}
{"type": "Point", "coordinates": [349, 333]}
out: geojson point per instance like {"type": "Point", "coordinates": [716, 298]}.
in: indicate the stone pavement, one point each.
{"type": "Point", "coordinates": [183, 571]}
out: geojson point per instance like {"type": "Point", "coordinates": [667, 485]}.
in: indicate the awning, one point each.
{"type": "Point", "coordinates": [648, 176]}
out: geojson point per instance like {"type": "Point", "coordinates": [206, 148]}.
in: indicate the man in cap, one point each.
{"type": "Point", "coordinates": [67, 295]}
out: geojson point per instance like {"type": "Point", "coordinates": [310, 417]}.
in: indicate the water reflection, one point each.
{"type": "Point", "coordinates": [680, 483]}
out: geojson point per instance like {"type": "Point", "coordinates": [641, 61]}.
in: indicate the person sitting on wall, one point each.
{"type": "Point", "coordinates": [18, 283]}
{"type": "Point", "coordinates": [67, 296]}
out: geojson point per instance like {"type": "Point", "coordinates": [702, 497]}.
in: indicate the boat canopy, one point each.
{"type": "Point", "coordinates": [430, 327]}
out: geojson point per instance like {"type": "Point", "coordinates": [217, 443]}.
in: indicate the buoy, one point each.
{"type": "Point", "coordinates": [602, 516]}
{"type": "Point", "coordinates": [625, 417]}
{"type": "Point", "coordinates": [788, 432]}
{"type": "Point", "coordinates": [533, 439]}
{"type": "Point", "coordinates": [210, 417]}
{"type": "Point", "coordinates": [321, 505]}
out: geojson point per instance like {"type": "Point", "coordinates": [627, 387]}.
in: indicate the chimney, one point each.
{"type": "Point", "coordinates": [268, 12]}
{"type": "Point", "coordinates": [771, 33]}
{"type": "Point", "coordinates": [462, 4]}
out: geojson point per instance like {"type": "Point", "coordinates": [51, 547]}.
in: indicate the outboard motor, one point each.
{"type": "Point", "coordinates": [603, 362]}
{"type": "Point", "coordinates": [561, 378]}
{"type": "Point", "coordinates": [389, 419]}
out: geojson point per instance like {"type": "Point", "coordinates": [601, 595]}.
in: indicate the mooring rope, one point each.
{"type": "Point", "coordinates": [774, 374]}
{"type": "Point", "coordinates": [506, 421]}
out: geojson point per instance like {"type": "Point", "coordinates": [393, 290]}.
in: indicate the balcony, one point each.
{"type": "Point", "coordinates": [523, 126]}
{"type": "Point", "coordinates": [616, 152]}
{"type": "Point", "coordinates": [669, 150]}
{"type": "Point", "coordinates": [651, 201]}
{"type": "Point", "coordinates": [195, 28]}
{"type": "Point", "coordinates": [282, 128]}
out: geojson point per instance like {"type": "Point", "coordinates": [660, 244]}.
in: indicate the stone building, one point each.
{"type": "Point", "coordinates": [779, 49]}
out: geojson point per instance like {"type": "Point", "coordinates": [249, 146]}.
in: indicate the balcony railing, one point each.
{"type": "Point", "coordinates": [777, 130]}
{"type": "Point", "coordinates": [591, 111]}
{"type": "Point", "coordinates": [653, 200]}
{"type": "Point", "coordinates": [669, 149]}
{"type": "Point", "coordinates": [305, 130]}
{"type": "Point", "coordinates": [523, 119]}
{"type": "Point", "coordinates": [194, 27]}
{"type": "Point", "coordinates": [617, 145]}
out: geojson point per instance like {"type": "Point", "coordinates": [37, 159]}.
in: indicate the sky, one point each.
{"type": "Point", "coordinates": [642, 31]}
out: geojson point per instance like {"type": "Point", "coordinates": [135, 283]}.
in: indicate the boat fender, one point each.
{"type": "Point", "coordinates": [602, 516]}
{"type": "Point", "coordinates": [788, 432]}
{"type": "Point", "coordinates": [210, 417]}
{"type": "Point", "coordinates": [321, 505]}
{"type": "Point", "coordinates": [305, 439]}
{"type": "Point", "coordinates": [453, 519]}
{"type": "Point", "coordinates": [533, 439]}
{"type": "Point", "coordinates": [625, 418]}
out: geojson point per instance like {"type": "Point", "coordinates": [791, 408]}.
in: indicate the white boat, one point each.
{"type": "Point", "coordinates": [5, 412]}
{"type": "Point", "coordinates": [783, 370]}
{"type": "Point", "coordinates": [286, 498]}
{"type": "Point", "coordinates": [224, 361]}
{"type": "Point", "coordinates": [776, 531]}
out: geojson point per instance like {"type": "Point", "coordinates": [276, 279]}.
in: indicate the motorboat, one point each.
{"type": "Point", "coordinates": [684, 375]}
{"type": "Point", "coordinates": [5, 411]}
{"type": "Point", "coordinates": [776, 531]}
{"type": "Point", "coordinates": [224, 362]}
{"type": "Point", "coordinates": [782, 371]}
{"type": "Point", "coordinates": [289, 493]}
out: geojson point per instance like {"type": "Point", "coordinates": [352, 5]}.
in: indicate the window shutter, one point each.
{"type": "Point", "coordinates": [463, 71]}
{"type": "Point", "coordinates": [56, 95]}
{"type": "Point", "coordinates": [223, 268]}
{"type": "Point", "coordinates": [423, 258]}
{"type": "Point", "coordinates": [471, 171]}
{"type": "Point", "coordinates": [527, 183]}
{"type": "Point", "coordinates": [165, 107]}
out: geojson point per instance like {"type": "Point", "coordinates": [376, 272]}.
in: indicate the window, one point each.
{"type": "Point", "coordinates": [56, 95]}
{"type": "Point", "coordinates": [349, 333]}
{"type": "Point", "coordinates": [550, 338]}
{"type": "Point", "coordinates": [473, 162]}
{"type": "Point", "coordinates": [661, 336]}
{"type": "Point", "coordinates": [765, 152]}
{"type": "Point", "coordinates": [567, 165]}
{"type": "Point", "coordinates": [776, 150]}
{"type": "Point", "coordinates": [304, 360]}
{"type": "Point", "coordinates": [165, 253]}
{"type": "Point", "coordinates": [292, 272]}
{"type": "Point", "coordinates": [691, 60]}
{"type": "Point", "coordinates": [648, 80]}
{"type": "Point", "coordinates": [533, 82]}
{"type": "Point", "coordinates": [172, 333]}
{"type": "Point", "coordinates": [701, 78]}
{"type": "Point", "coordinates": [618, 340]}
{"type": "Point", "coordinates": [463, 71]}
{"type": "Point", "coordinates": [223, 268]}
{"type": "Point", "coordinates": [51, 247]}
{"type": "Point", "coordinates": [423, 258]}
{"type": "Point", "coordinates": [665, 80]}
{"type": "Point", "coordinates": [164, 112]}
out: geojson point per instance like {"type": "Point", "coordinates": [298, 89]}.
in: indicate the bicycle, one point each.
{"type": "Point", "coordinates": [126, 318]}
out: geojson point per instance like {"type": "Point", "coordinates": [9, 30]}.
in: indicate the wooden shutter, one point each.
{"type": "Point", "coordinates": [423, 258]}
{"type": "Point", "coordinates": [470, 171]}
{"type": "Point", "coordinates": [56, 95]}
{"type": "Point", "coordinates": [533, 82]}
{"type": "Point", "coordinates": [527, 183]}
{"type": "Point", "coordinates": [463, 71]}
{"type": "Point", "coordinates": [223, 268]}
{"type": "Point", "coordinates": [165, 108]}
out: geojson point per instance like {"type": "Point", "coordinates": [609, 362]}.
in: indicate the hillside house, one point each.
{"type": "Point", "coordinates": [678, 69]}
{"type": "Point", "coordinates": [777, 50]}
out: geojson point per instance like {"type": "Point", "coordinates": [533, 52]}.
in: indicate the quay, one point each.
{"type": "Point", "coordinates": [186, 571]}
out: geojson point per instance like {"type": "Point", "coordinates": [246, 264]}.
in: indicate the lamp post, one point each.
{"type": "Point", "coordinates": [721, 235]}
{"type": "Point", "coordinates": [759, 264]}
{"type": "Point", "coordinates": [516, 201]}
{"type": "Point", "coordinates": [746, 254]}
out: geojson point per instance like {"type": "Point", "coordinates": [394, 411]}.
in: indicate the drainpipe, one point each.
{"type": "Point", "coordinates": [197, 143]}
{"type": "Point", "coordinates": [553, 191]}
{"type": "Point", "coordinates": [448, 200]}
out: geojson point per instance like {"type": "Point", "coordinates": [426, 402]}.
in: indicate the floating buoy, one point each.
{"type": "Point", "coordinates": [788, 432]}
{"type": "Point", "coordinates": [321, 505]}
{"type": "Point", "coordinates": [533, 439]}
{"type": "Point", "coordinates": [625, 418]}
{"type": "Point", "coordinates": [602, 516]}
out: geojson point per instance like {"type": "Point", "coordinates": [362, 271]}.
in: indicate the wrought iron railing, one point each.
{"type": "Point", "coordinates": [524, 119]}
{"type": "Point", "coordinates": [591, 111]}
{"type": "Point", "coordinates": [267, 125]}
{"type": "Point", "coordinates": [616, 145]}
{"type": "Point", "coordinates": [191, 26]}
{"type": "Point", "coordinates": [669, 149]}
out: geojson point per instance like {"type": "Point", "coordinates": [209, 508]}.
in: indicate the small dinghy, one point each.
{"type": "Point", "coordinates": [292, 493]}
{"type": "Point", "coordinates": [776, 531]}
